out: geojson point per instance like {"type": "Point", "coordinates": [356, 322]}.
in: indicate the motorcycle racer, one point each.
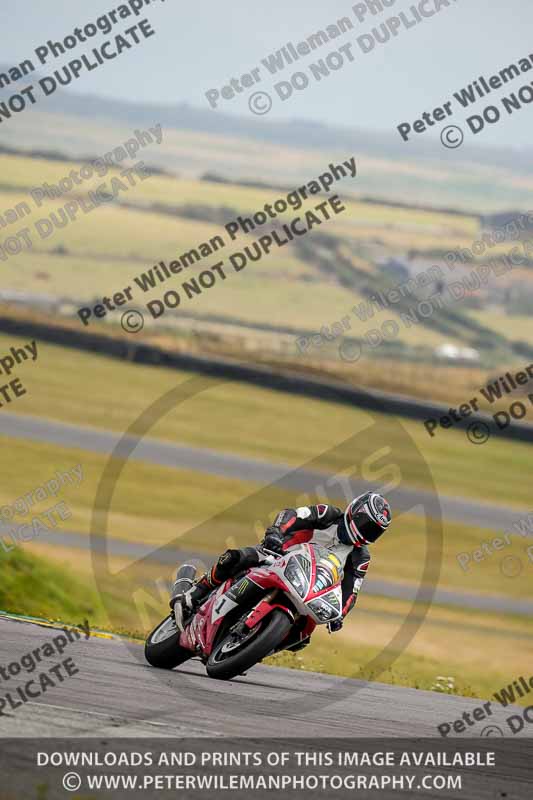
{"type": "Point", "coordinates": [346, 534]}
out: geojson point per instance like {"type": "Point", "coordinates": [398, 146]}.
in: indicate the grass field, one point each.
{"type": "Point", "coordinates": [86, 277]}
{"type": "Point", "coordinates": [396, 228]}
{"type": "Point", "coordinates": [101, 252]}
{"type": "Point", "coordinates": [155, 235]}
{"type": "Point", "coordinates": [205, 513]}
{"type": "Point", "coordinates": [463, 646]}
{"type": "Point", "coordinates": [514, 326]}
{"type": "Point", "coordinates": [82, 388]}
{"type": "Point", "coordinates": [462, 184]}
{"type": "Point", "coordinates": [25, 173]}
{"type": "Point", "coordinates": [449, 386]}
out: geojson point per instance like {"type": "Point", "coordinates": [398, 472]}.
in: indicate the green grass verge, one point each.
{"type": "Point", "coordinates": [414, 671]}
{"type": "Point", "coordinates": [42, 588]}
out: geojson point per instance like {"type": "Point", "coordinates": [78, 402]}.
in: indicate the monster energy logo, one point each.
{"type": "Point", "coordinates": [238, 589]}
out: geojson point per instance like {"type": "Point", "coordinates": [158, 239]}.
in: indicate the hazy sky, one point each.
{"type": "Point", "coordinates": [200, 46]}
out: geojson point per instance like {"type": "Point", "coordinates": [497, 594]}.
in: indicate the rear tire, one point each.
{"type": "Point", "coordinates": [162, 648]}
{"type": "Point", "coordinates": [224, 667]}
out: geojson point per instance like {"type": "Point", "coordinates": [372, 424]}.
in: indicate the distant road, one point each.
{"type": "Point", "coordinates": [170, 556]}
{"type": "Point", "coordinates": [228, 465]}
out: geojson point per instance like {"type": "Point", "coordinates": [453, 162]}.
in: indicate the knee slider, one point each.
{"type": "Point", "coordinates": [226, 564]}
{"type": "Point", "coordinates": [229, 559]}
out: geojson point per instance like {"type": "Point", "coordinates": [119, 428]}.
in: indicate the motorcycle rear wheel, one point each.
{"type": "Point", "coordinates": [162, 648]}
{"type": "Point", "coordinates": [271, 632]}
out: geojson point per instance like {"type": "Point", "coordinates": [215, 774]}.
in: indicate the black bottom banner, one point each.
{"type": "Point", "coordinates": [269, 768]}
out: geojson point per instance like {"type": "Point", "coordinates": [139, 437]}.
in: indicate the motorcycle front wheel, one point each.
{"type": "Point", "coordinates": [162, 648]}
{"type": "Point", "coordinates": [234, 655]}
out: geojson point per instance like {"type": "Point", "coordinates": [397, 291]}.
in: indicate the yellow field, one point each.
{"type": "Point", "coordinates": [464, 184]}
{"type": "Point", "coordinates": [101, 252]}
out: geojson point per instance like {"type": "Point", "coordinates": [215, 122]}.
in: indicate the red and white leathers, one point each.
{"type": "Point", "coordinates": [325, 525]}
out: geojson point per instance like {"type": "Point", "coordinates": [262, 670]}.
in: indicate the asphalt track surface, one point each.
{"type": "Point", "coordinates": [229, 465]}
{"type": "Point", "coordinates": [116, 693]}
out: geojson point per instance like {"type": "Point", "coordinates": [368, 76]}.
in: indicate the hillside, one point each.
{"type": "Point", "coordinates": [198, 140]}
{"type": "Point", "coordinates": [344, 271]}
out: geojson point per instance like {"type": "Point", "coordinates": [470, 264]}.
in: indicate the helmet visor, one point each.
{"type": "Point", "coordinates": [369, 529]}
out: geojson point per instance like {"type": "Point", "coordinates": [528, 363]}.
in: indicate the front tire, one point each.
{"type": "Point", "coordinates": [271, 632]}
{"type": "Point", "coordinates": [162, 648]}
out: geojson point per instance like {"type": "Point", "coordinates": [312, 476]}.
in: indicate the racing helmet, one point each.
{"type": "Point", "coordinates": [365, 520]}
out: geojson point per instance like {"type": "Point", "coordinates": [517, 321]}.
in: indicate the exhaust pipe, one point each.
{"type": "Point", "coordinates": [184, 579]}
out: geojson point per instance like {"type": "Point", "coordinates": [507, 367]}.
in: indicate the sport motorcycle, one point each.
{"type": "Point", "coordinates": [291, 594]}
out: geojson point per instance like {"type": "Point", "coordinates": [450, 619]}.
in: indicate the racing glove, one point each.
{"type": "Point", "coordinates": [335, 626]}
{"type": "Point", "coordinates": [273, 539]}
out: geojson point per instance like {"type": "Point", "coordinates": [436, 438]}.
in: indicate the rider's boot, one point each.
{"type": "Point", "coordinates": [188, 597]}
{"type": "Point", "coordinates": [186, 603]}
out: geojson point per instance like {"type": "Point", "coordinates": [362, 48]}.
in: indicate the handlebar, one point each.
{"type": "Point", "coordinates": [271, 555]}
